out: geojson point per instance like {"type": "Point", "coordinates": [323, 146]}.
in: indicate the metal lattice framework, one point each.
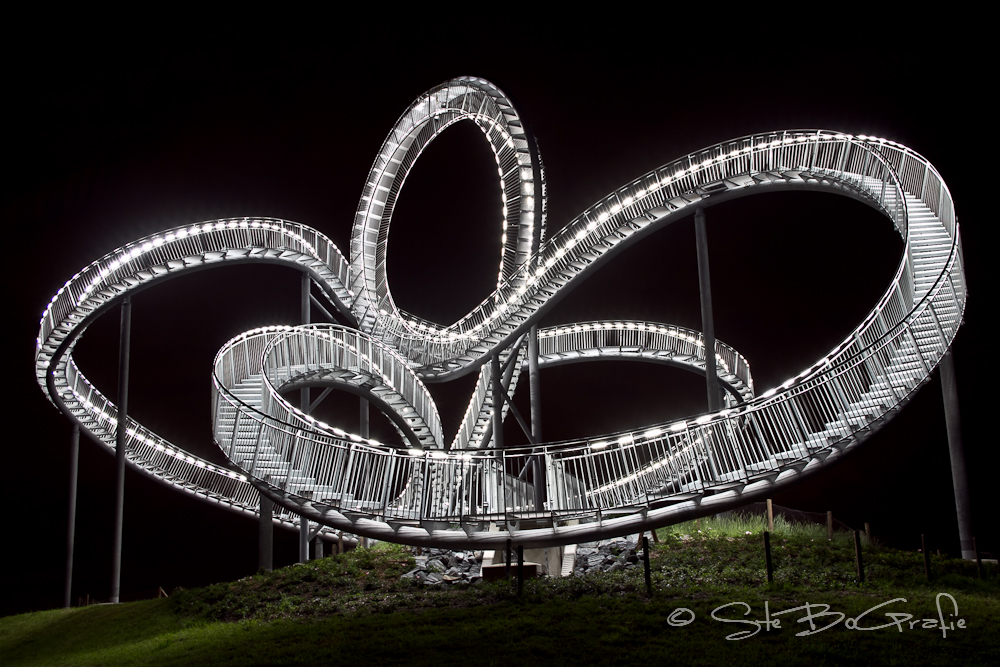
{"type": "Point", "coordinates": [450, 494]}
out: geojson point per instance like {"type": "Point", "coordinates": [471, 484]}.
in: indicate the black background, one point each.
{"type": "Point", "coordinates": [108, 144]}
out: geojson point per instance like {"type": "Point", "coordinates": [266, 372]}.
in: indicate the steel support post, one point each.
{"type": "Point", "coordinates": [497, 402]}
{"type": "Point", "coordinates": [364, 432]}
{"type": "Point", "coordinates": [963, 505]}
{"type": "Point", "coordinates": [303, 539]}
{"type": "Point", "coordinates": [535, 392]}
{"type": "Point", "coordinates": [265, 535]}
{"type": "Point", "coordinates": [707, 321]}
{"type": "Point", "coordinates": [534, 384]}
{"type": "Point", "coordinates": [121, 436]}
{"type": "Point", "coordinates": [74, 466]}
{"type": "Point", "coordinates": [304, 307]}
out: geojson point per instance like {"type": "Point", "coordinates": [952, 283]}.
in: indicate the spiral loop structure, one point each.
{"type": "Point", "coordinates": [457, 493]}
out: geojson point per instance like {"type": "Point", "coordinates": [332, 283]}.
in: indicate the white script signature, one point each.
{"type": "Point", "coordinates": [820, 618]}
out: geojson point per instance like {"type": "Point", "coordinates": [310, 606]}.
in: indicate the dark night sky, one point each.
{"type": "Point", "coordinates": [105, 149]}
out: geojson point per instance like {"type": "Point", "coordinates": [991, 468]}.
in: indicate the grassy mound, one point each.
{"type": "Point", "coordinates": [711, 605]}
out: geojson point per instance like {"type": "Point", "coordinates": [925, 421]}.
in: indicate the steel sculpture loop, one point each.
{"type": "Point", "coordinates": [459, 493]}
{"type": "Point", "coordinates": [521, 190]}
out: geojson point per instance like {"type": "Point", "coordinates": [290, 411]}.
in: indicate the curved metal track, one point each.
{"type": "Point", "coordinates": [451, 495]}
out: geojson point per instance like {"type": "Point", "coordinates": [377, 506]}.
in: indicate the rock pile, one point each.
{"type": "Point", "coordinates": [612, 555]}
{"type": "Point", "coordinates": [439, 567]}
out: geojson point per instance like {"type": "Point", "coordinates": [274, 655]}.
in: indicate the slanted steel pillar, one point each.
{"type": "Point", "coordinates": [535, 391]}
{"type": "Point", "coordinates": [74, 466]}
{"type": "Point", "coordinates": [707, 321]}
{"type": "Point", "coordinates": [963, 505]}
{"type": "Point", "coordinates": [121, 436]}
{"type": "Point", "coordinates": [497, 402]}
{"type": "Point", "coordinates": [265, 535]}
{"type": "Point", "coordinates": [304, 307]}
{"type": "Point", "coordinates": [304, 400]}
{"type": "Point", "coordinates": [365, 430]}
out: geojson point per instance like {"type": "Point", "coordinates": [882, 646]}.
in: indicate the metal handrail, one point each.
{"type": "Point", "coordinates": [187, 248]}
{"type": "Point", "coordinates": [652, 198]}
{"type": "Point", "coordinates": [810, 416]}
{"type": "Point", "coordinates": [650, 338]}
{"type": "Point", "coordinates": [644, 476]}
{"type": "Point", "coordinates": [464, 98]}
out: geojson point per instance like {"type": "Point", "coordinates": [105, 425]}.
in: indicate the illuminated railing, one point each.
{"type": "Point", "coordinates": [862, 166]}
{"type": "Point", "coordinates": [188, 248]}
{"type": "Point", "coordinates": [825, 410]}
{"type": "Point", "coordinates": [521, 182]}
{"type": "Point", "coordinates": [154, 258]}
{"type": "Point", "coordinates": [624, 339]}
{"type": "Point", "coordinates": [809, 419]}
{"type": "Point", "coordinates": [286, 357]}
{"type": "Point", "coordinates": [153, 454]}
{"type": "Point", "coordinates": [641, 477]}
{"type": "Point", "coordinates": [477, 423]}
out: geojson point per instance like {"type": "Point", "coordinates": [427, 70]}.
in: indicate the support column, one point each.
{"type": "Point", "coordinates": [121, 436]}
{"type": "Point", "coordinates": [265, 535]}
{"type": "Point", "coordinates": [304, 401]}
{"type": "Point", "coordinates": [74, 466]}
{"type": "Point", "coordinates": [497, 402]}
{"type": "Point", "coordinates": [364, 432]}
{"type": "Point", "coordinates": [303, 539]}
{"type": "Point", "coordinates": [707, 321]}
{"type": "Point", "coordinates": [304, 308]}
{"type": "Point", "coordinates": [535, 392]}
{"type": "Point", "coordinates": [534, 384]}
{"type": "Point", "coordinates": [963, 505]}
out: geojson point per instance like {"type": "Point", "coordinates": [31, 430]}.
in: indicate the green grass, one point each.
{"type": "Point", "coordinates": [354, 607]}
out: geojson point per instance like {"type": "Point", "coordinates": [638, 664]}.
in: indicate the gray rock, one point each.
{"type": "Point", "coordinates": [443, 567]}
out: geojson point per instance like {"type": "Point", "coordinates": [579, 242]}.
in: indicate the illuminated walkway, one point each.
{"type": "Point", "coordinates": [458, 493]}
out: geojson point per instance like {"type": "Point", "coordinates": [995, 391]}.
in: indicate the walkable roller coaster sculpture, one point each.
{"type": "Point", "coordinates": [458, 494]}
